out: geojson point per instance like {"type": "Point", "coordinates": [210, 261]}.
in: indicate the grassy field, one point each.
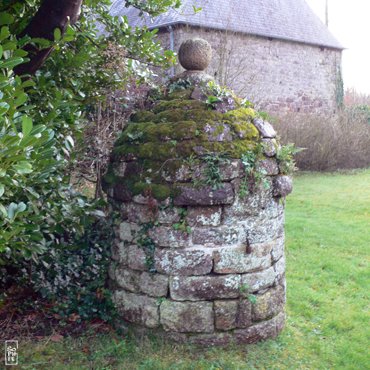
{"type": "Point", "coordinates": [328, 240]}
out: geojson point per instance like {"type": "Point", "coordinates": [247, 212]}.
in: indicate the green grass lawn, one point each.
{"type": "Point", "coordinates": [328, 240]}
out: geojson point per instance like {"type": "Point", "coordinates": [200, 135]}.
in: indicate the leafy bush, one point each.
{"type": "Point", "coordinates": [285, 155]}
{"type": "Point", "coordinates": [28, 165]}
{"type": "Point", "coordinates": [73, 274]}
{"type": "Point", "coordinates": [46, 229]}
{"type": "Point", "coordinates": [41, 116]}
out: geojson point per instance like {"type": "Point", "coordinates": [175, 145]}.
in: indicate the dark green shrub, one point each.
{"type": "Point", "coordinates": [73, 274]}
{"type": "Point", "coordinates": [47, 232]}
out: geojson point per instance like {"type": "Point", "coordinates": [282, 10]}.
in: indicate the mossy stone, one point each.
{"type": "Point", "coordinates": [157, 191]}
{"type": "Point", "coordinates": [179, 94]}
{"type": "Point", "coordinates": [178, 104]}
{"type": "Point", "coordinates": [177, 128]}
{"type": "Point", "coordinates": [142, 116]}
{"type": "Point", "coordinates": [241, 114]}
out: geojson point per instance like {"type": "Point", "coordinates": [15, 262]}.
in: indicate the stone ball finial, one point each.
{"type": "Point", "coordinates": [195, 54]}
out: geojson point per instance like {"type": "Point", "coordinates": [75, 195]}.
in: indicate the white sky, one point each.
{"type": "Point", "coordinates": [349, 22]}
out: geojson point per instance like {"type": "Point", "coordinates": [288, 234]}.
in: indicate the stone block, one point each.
{"type": "Point", "coordinates": [153, 284]}
{"type": "Point", "coordinates": [128, 279]}
{"type": "Point", "coordinates": [204, 196]}
{"type": "Point", "coordinates": [268, 166]}
{"type": "Point", "coordinates": [261, 229]}
{"type": "Point", "coordinates": [218, 132]}
{"type": "Point", "coordinates": [168, 216]}
{"type": "Point", "coordinates": [204, 216]}
{"type": "Point", "coordinates": [138, 309]}
{"type": "Point", "coordinates": [138, 213]}
{"type": "Point", "coordinates": [239, 261]}
{"type": "Point", "coordinates": [166, 236]}
{"type": "Point", "coordinates": [218, 236]}
{"type": "Point", "coordinates": [231, 314]}
{"type": "Point", "coordinates": [283, 185]}
{"type": "Point", "coordinates": [187, 317]}
{"type": "Point", "coordinates": [272, 209]}
{"type": "Point", "coordinates": [265, 128]}
{"type": "Point", "coordinates": [183, 262]}
{"type": "Point", "coordinates": [280, 268]}
{"type": "Point", "coordinates": [119, 252]}
{"type": "Point", "coordinates": [225, 314]}
{"type": "Point", "coordinates": [261, 249]}
{"type": "Point", "coordinates": [278, 249]}
{"type": "Point", "coordinates": [269, 303]}
{"type": "Point", "coordinates": [250, 205]}
{"type": "Point", "coordinates": [136, 258]}
{"type": "Point", "coordinates": [143, 200]}
{"type": "Point", "coordinates": [231, 170]}
{"type": "Point", "coordinates": [194, 288]}
{"type": "Point", "coordinates": [259, 280]}
{"type": "Point", "coordinates": [128, 231]}
{"type": "Point", "coordinates": [244, 314]}
{"type": "Point", "coordinates": [260, 331]}
{"type": "Point", "coordinates": [269, 147]}
{"type": "Point", "coordinates": [175, 171]}
{"type": "Point", "coordinates": [280, 321]}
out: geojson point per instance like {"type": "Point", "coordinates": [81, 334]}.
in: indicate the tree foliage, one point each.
{"type": "Point", "coordinates": [42, 115]}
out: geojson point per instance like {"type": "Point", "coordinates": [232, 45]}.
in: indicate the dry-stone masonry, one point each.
{"type": "Point", "coordinates": [198, 183]}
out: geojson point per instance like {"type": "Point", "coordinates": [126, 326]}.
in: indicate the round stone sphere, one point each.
{"type": "Point", "coordinates": [195, 54]}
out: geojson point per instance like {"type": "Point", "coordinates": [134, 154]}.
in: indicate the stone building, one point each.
{"type": "Point", "coordinates": [277, 53]}
{"type": "Point", "coordinates": [198, 191]}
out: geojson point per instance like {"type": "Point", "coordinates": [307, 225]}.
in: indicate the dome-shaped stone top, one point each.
{"type": "Point", "coordinates": [187, 120]}
{"type": "Point", "coordinates": [195, 54]}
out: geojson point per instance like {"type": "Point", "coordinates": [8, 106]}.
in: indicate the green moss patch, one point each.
{"type": "Point", "coordinates": [142, 116]}
{"type": "Point", "coordinates": [179, 104]}
{"type": "Point", "coordinates": [241, 114]}
{"type": "Point", "coordinates": [157, 191]}
{"type": "Point", "coordinates": [176, 129]}
{"type": "Point", "coordinates": [245, 130]}
{"type": "Point", "coordinates": [161, 132]}
{"type": "Point", "coordinates": [182, 150]}
{"type": "Point", "coordinates": [179, 94]}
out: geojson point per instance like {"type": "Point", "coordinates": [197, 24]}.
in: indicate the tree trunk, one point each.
{"type": "Point", "coordinates": [52, 14]}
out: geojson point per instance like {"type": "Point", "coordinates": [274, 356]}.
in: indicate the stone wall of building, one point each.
{"type": "Point", "coordinates": [277, 75]}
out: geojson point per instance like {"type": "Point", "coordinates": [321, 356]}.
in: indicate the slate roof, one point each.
{"type": "Point", "coordinates": [280, 19]}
